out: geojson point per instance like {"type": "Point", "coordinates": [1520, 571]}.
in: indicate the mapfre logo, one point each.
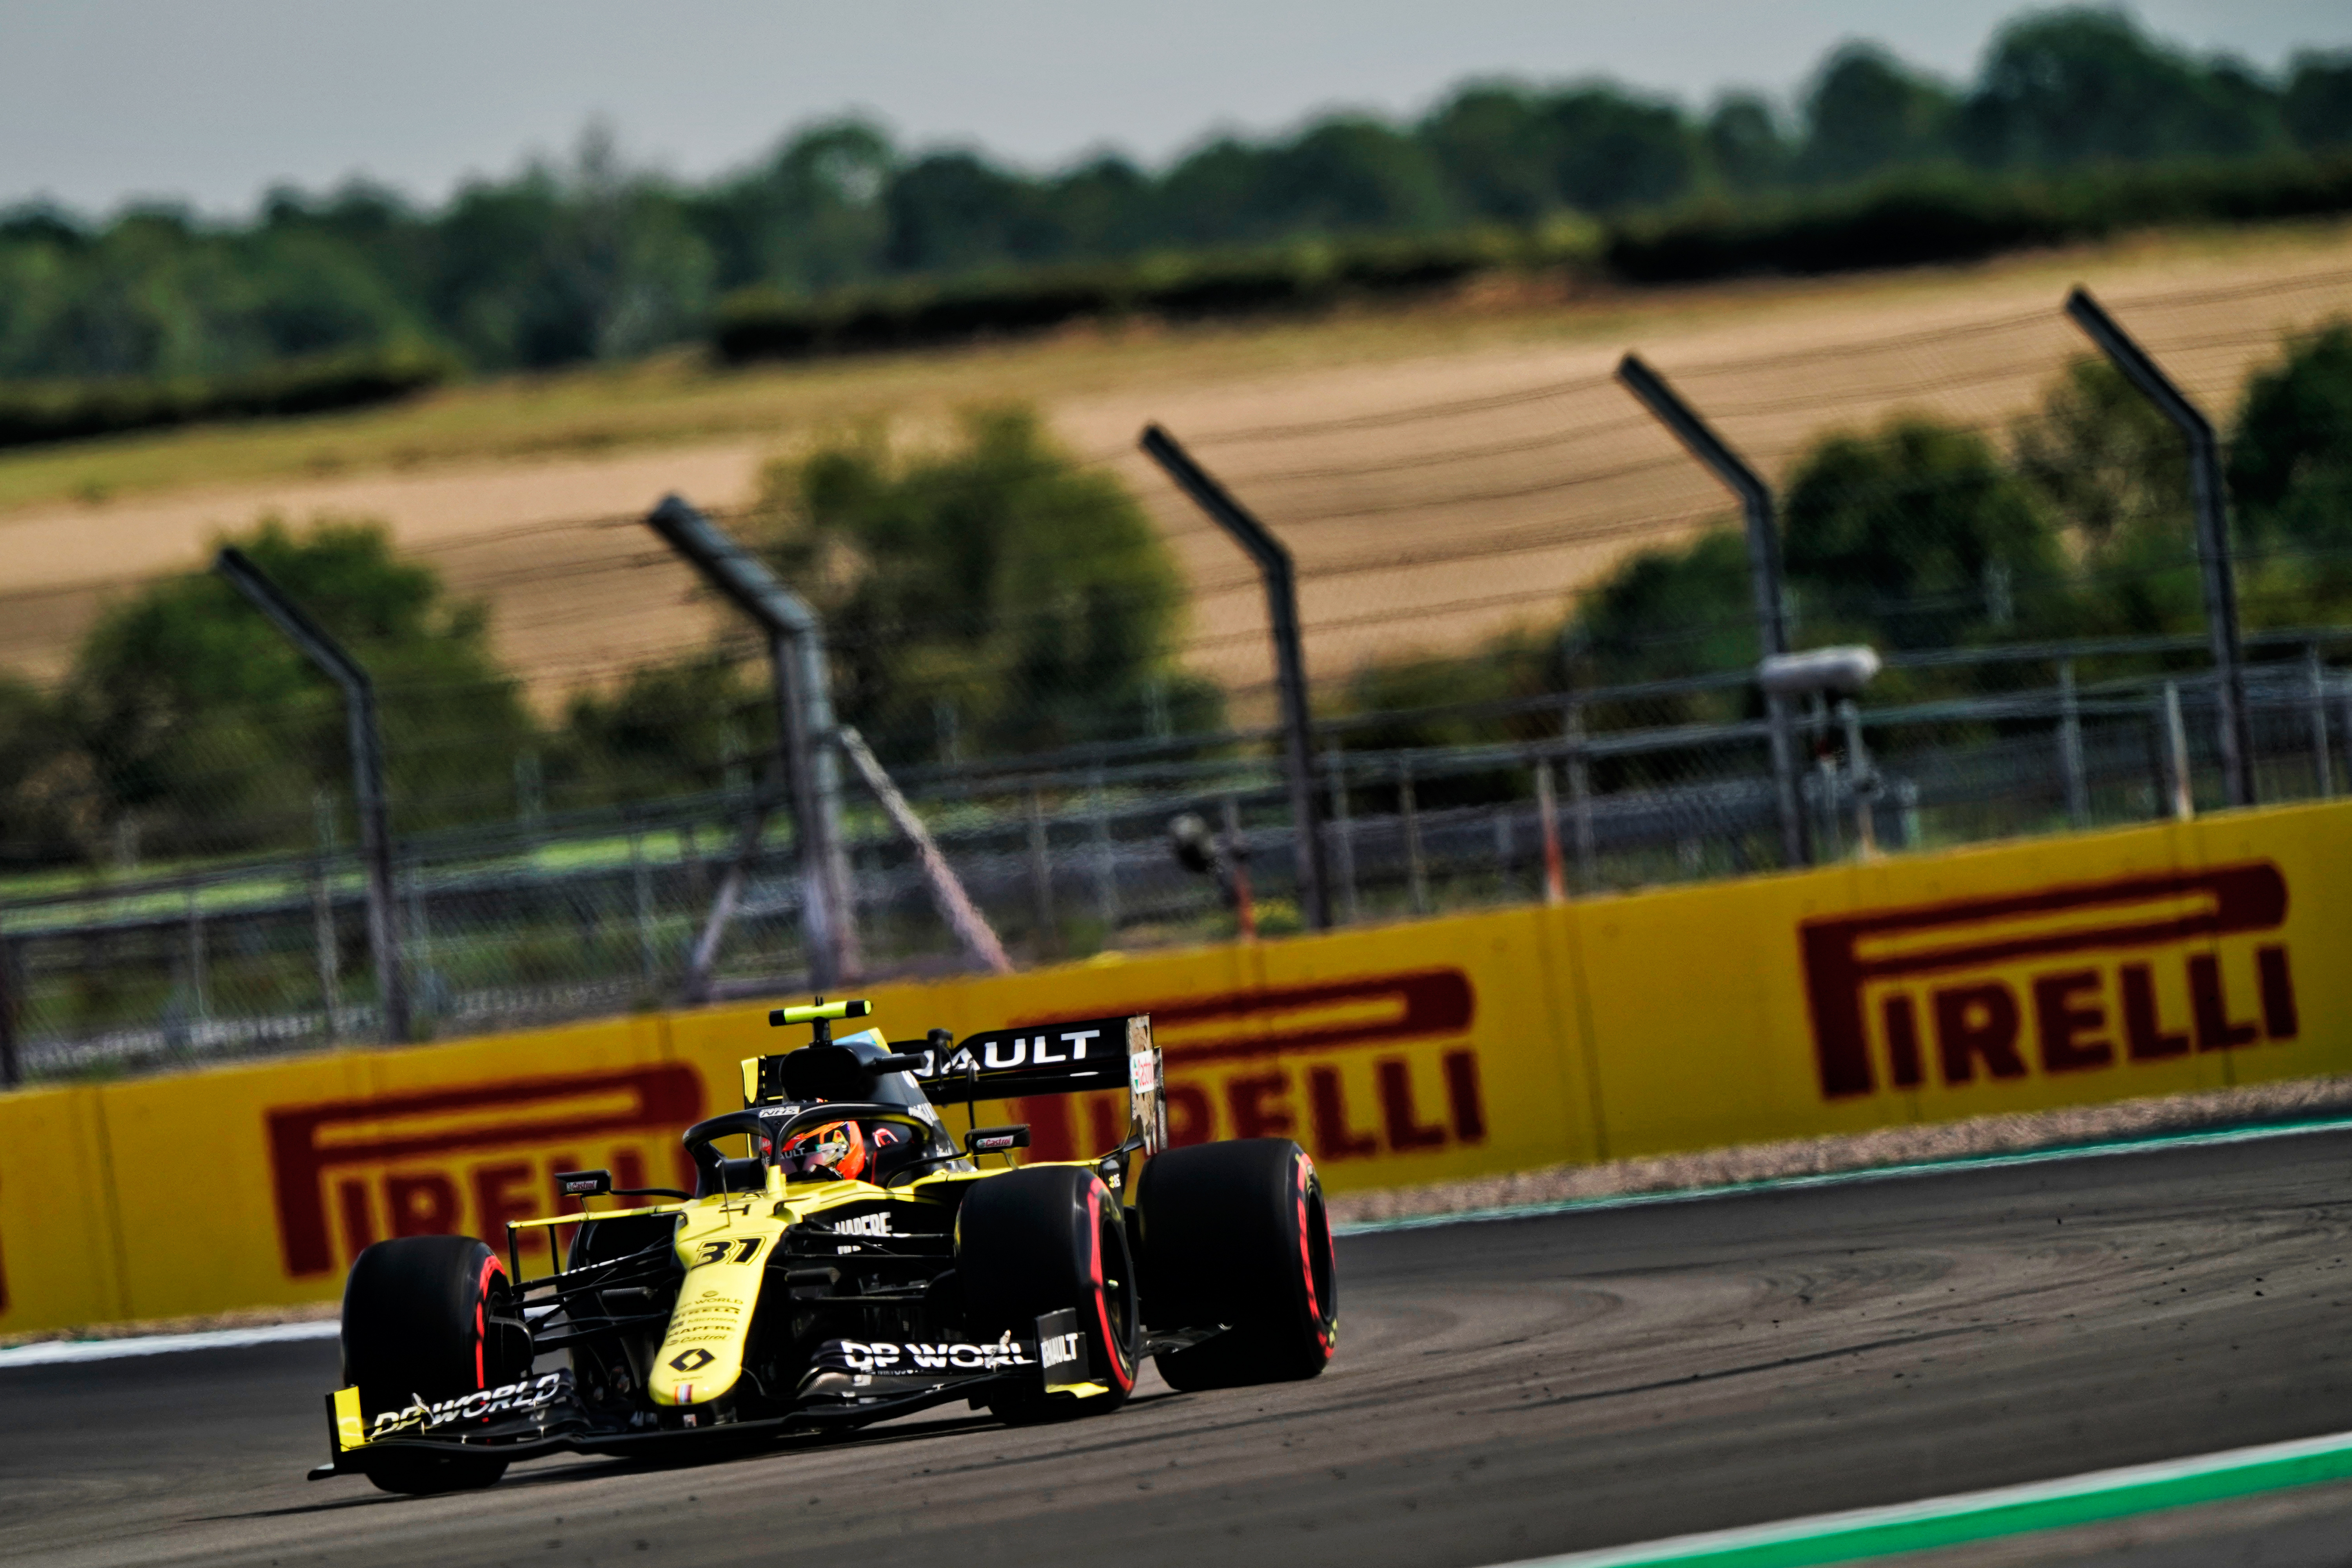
{"type": "Point", "coordinates": [2068, 979]}
{"type": "Point", "coordinates": [461, 1161]}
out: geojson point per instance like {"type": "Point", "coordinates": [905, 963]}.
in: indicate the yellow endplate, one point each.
{"type": "Point", "coordinates": [351, 1426]}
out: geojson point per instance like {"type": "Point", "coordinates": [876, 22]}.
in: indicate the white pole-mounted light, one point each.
{"type": "Point", "coordinates": [1844, 671]}
{"type": "Point", "coordinates": [1820, 673]}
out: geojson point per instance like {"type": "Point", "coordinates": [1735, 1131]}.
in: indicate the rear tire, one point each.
{"type": "Point", "coordinates": [1038, 1241]}
{"type": "Point", "coordinates": [421, 1321]}
{"type": "Point", "coordinates": [1235, 1233]}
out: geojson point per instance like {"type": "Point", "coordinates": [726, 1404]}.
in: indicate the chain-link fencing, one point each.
{"type": "Point", "coordinates": [1516, 595]}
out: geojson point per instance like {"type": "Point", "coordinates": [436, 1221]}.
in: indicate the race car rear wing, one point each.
{"type": "Point", "coordinates": [1071, 1057]}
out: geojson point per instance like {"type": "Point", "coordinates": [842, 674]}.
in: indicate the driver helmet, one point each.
{"type": "Point", "coordinates": [838, 1148]}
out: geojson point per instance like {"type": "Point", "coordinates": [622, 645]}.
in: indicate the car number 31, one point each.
{"type": "Point", "coordinates": [745, 1248]}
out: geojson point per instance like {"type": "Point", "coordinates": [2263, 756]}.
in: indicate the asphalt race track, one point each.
{"type": "Point", "coordinates": [1504, 1390]}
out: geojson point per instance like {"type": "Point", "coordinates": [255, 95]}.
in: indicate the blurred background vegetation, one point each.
{"type": "Point", "coordinates": [993, 597]}
{"type": "Point", "coordinates": [2078, 121]}
{"type": "Point", "coordinates": [987, 598]}
{"type": "Point", "coordinates": [1923, 536]}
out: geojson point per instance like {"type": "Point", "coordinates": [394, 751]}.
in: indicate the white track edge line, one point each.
{"type": "Point", "coordinates": [1958, 1163]}
{"type": "Point", "coordinates": [58, 1352]}
{"type": "Point", "coordinates": [1955, 1505]}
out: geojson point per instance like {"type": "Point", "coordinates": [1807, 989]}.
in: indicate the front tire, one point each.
{"type": "Point", "coordinates": [431, 1318]}
{"type": "Point", "coordinates": [1235, 1233]}
{"type": "Point", "coordinates": [1038, 1241]}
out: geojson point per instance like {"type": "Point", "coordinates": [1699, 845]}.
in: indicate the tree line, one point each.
{"type": "Point", "coordinates": [593, 260]}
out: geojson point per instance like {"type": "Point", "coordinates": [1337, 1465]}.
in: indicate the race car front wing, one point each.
{"type": "Point", "coordinates": [850, 1382]}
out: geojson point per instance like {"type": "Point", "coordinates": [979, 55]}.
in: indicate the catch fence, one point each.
{"type": "Point", "coordinates": [1070, 855]}
{"type": "Point", "coordinates": [1965, 497]}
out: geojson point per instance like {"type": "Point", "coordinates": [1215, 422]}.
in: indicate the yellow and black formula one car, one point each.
{"type": "Point", "coordinates": [852, 1265]}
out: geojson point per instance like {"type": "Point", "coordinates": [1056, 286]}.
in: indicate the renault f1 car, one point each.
{"type": "Point", "coordinates": [853, 1263]}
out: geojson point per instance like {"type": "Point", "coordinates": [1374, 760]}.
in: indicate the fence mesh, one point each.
{"type": "Point", "coordinates": [1971, 497]}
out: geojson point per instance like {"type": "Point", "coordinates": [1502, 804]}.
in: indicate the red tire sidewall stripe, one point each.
{"type": "Point", "coordinates": [490, 1266]}
{"type": "Point", "coordinates": [1122, 1370]}
{"type": "Point", "coordinates": [1302, 1172]}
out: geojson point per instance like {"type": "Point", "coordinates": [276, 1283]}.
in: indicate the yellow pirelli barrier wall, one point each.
{"type": "Point", "coordinates": [2016, 977]}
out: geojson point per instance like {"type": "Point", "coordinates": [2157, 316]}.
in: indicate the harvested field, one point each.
{"type": "Point", "coordinates": [1441, 473]}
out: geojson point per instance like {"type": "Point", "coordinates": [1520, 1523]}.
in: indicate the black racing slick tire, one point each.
{"type": "Point", "coordinates": [429, 1316]}
{"type": "Point", "coordinates": [1235, 1233]}
{"type": "Point", "coordinates": [1041, 1240]}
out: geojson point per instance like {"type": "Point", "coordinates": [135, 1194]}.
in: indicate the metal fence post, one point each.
{"type": "Point", "coordinates": [1343, 832]}
{"type": "Point", "coordinates": [2211, 500]}
{"type": "Point", "coordinates": [12, 1063]}
{"type": "Point", "coordinates": [2344, 728]}
{"type": "Point", "coordinates": [367, 773]}
{"type": "Point", "coordinates": [805, 739]}
{"type": "Point", "coordinates": [2176, 753]}
{"type": "Point", "coordinates": [323, 916]}
{"type": "Point", "coordinates": [948, 894]}
{"type": "Point", "coordinates": [429, 991]}
{"type": "Point", "coordinates": [1415, 870]}
{"type": "Point", "coordinates": [2070, 747]}
{"type": "Point", "coordinates": [1290, 663]}
{"type": "Point", "coordinates": [2322, 771]}
{"type": "Point", "coordinates": [1763, 575]}
{"type": "Point", "coordinates": [641, 891]}
{"type": "Point", "coordinates": [1579, 795]}
{"type": "Point", "coordinates": [1106, 858]}
{"type": "Point", "coordinates": [1041, 881]}
{"type": "Point", "coordinates": [1555, 875]}
{"type": "Point", "coordinates": [199, 969]}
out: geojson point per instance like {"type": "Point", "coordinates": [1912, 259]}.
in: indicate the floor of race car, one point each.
{"type": "Point", "coordinates": [1504, 1391]}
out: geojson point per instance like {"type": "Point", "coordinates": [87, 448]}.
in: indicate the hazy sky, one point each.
{"type": "Point", "coordinates": [105, 100]}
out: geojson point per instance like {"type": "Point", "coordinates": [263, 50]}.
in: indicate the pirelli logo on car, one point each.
{"type": "Point", "coordinates": [462, 1161]}
{"type": "Point", "coordinates": [2085, 977]}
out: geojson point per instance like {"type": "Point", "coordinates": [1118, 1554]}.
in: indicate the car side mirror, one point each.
{"type": "Point", "coordinates": [996, 1139]}
{"type": "Point", "coordinates": [583, 1184]}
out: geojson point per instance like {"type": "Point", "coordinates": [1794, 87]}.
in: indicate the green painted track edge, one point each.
{"type": "Point", "coordinates": [2152, 1143]}
{"type": "Point", "coordinates": [1981, 1516]}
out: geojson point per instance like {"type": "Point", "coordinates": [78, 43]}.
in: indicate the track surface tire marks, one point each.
{"type": "Point", "coordinates": [1502, 1390]}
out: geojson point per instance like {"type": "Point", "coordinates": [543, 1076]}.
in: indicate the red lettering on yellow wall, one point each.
{"type": "Point", "coordinates": [1335, 1137]}
{"type": "Point", "coordinates": [502, 1193]}
{"type": "Point", "coordinates": [1462, 1098]}
{"type": "Point", "coordinates": [421, 1204]}
{"type": "Point", "coordinates": [2144, 1028]}
{"type": "Point", "coordinates": [396, 1161]}
{"type": "Point", "coordinates": [1977, 1023]}
{"type": "Point", "coordinates": [1937, 957]}
{"type": "Point", "coordinates": [1406, 1131]}
{"type": "Point", "coordinates": [2210, 1008]}
{"type": "Point", "coordinates": [1258, 1103]}
{"type": "Point", "coordinates": [1297, 1061]}
{"type": "Point", "coordinates": [1903, 1040]}
{"type": "Point", "coordinates": [2277, 985]}
{"type": "Point", "coordinates": [2070, 1029]}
